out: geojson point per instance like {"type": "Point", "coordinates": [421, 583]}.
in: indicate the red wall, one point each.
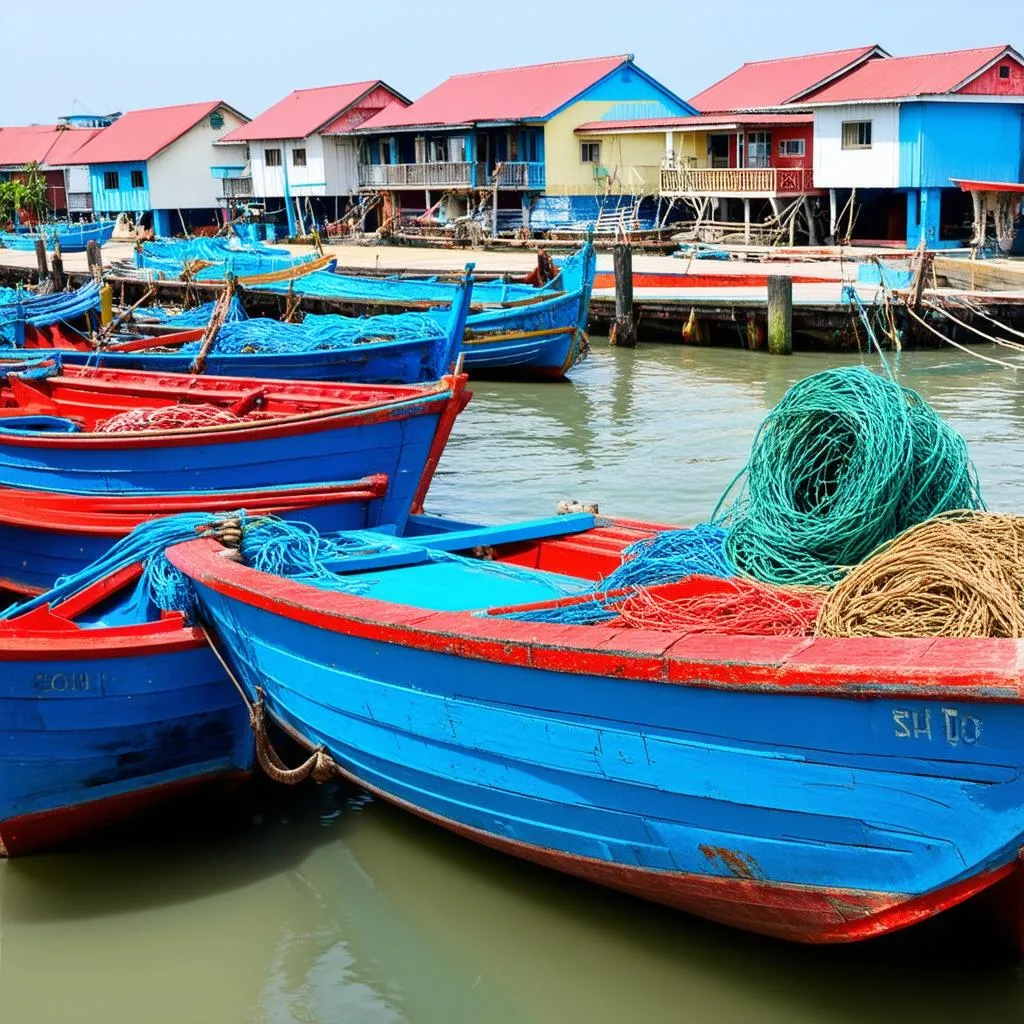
{"type": "Point", "coordinates": [793, 131]}
{"type": "Point", "coordinates": [990, 84]}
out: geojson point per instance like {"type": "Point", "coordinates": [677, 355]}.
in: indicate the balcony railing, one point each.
{"type": "Point", "coordinates": [515, 175]}
{"type": "Point", "coordinates": [717, 181]}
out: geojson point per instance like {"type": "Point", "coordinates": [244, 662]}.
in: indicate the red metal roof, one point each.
{"type": "Point", "coordinates": [928, 74]}
{"type": "Point", "coordinates": [511, 94]}
{"type": "Point", "coordinates": [301, 112]}
{"type": "Point", "coordinates": [771, 83]}
{"type": "Point", "coordinates": [141, 134]}
{"type": "Point", "coordinates": [703, 121]}
{"type": "Point", "coordinates": [48, 144]}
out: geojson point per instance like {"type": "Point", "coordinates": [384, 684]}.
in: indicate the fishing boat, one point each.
{"type": "Point", "coordinates": [86, 454]}
{"type": "Point", "coordinates": [408, 348]}
{"type": "Point", "coordinates": [70, 237]}
{"type": "Point", "coordinates": [107, 705]}
{"type": "Point", "coordinates": [514, 329]}
{"type": "Point", "coordinates": [816, 790]}
{"type": "Point", "coordinates": [28, 312]}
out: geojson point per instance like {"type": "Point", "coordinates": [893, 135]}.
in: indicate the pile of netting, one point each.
{"type": "Point", "coordinates": [323, 333]}
{"type": "Point", "coordinates": [198, 316]}
{"type": "Point", "coordinates": [170, 417]}
{"type": "Point", "coordinates": [44, 310]}
{"type": "Point", "coordinates": [846, 461]}
{"type": "Point", "coordinates": [210, 259]}
{"type": "Point", "coordinates": [958, 575]}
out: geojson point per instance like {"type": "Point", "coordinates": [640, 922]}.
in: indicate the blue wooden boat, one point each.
{"type": "Point", "coordinates": [819, 790]}
{"type": "Point", "coordinates": [410, 348]}
{"type": "Point", "coordinates": [513, 329]}
{"type": "Point", "coordinates": [107, 705]}
{"type": "Point", "coordinates": [71, 237]}
{"type": "Point", "coordinates": [29, 312]}
{"type": "Point", "coordinates": [69, 487]}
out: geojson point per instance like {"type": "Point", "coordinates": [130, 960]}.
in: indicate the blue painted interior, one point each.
{"type": "Point", "coordinates": [980, 141]}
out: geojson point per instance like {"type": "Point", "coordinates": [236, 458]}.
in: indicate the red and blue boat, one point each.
{"type": "Point", "coordinates": [818, 790]}
{"type": "Point", "coordinates": [107, 706]}
{"type": "Point", "coordinates": [408, 348]}
{"type": "Point", "coordinates": [70, 486]}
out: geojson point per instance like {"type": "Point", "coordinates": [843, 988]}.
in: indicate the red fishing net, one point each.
{"type": "Point", "coordinates": [702, 604]}
{"type": "Point", "coordinates": [168, 417]}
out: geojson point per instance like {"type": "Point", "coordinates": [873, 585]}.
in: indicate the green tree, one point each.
{"type": "Point", "coordinates": [12, 199]}
{"type": "Point", "coordinates": [33, 197]}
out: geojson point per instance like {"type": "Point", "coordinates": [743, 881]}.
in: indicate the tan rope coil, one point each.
{"type": "Point", "coordinates": [957, 575]}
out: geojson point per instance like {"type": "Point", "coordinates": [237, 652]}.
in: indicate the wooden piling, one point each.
{"type": "Point", "coordinates": [780, 315]}
{"type": "Point", "coordinates": [623, 332]}
{"type": "Point", "coordinates": [60, 281]}
{"type": "Point", "coordinates": [44, 270]}
{"type": "Point", "coordinates": [94, 257]}
{"type": "Point", "coordinates": [755, 332]}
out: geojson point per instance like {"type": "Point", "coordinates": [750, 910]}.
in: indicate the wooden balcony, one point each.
{"type": "Point", "coordinates": [511, 175]}
{"type": "Point", "coordinates": [751, 182]}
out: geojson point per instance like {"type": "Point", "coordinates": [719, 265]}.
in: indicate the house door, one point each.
{"type": "Point", "coordinates": [718, 150]}
{"type": "Point", "coordinates": [759, 149]}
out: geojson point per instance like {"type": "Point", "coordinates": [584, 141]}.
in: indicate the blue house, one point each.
{"type": "Point", "coordinates": [505, 142]}
{"type": "Point", "coordinates": [155, 164]}
{"type": "Point", "coordinates": [926, 142]}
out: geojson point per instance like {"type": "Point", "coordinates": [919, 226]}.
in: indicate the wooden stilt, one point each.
{"type": "Point", "coordinates": [780, 315]}
{"type": "Point", "coordinates": [43, 269]}
{"type": "Point", "coordinates": [60, 281]}
{"type": "Point", "coordinates": [94, 257]}
{"type": "Point", "coordinates": [623, 332]}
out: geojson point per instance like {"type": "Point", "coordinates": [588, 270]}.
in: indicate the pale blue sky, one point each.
{"type": "Point", "coordinates": [104, 57]}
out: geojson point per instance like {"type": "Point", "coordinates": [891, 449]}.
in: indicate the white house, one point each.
{"type": "Point", "coordinates": [156, 164]}
{"type": "Point", "coordinates": [296, 155]}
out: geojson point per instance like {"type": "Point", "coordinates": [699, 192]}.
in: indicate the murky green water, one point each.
{"type": "Point", "coordinates": [321, 905]}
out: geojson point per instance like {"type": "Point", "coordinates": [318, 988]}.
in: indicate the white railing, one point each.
{"type": "Point", "coordinates": [440, 175]}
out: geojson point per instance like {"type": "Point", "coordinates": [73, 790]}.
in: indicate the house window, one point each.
{"type": "Point", "coordinates": [137, 180]}
{"type": "Point", "coordinates": [216, 119]}
{"type": "Point", "coordinates": [437, 150]}
{"type": "Point", "coordinates": [791, 147]}
{"type": "Point", "coordinates": [298, 158]}
{"type": "Point", "coordinates": [1004, 70]}
{"type": "Point", "coordinates": [590, 152]}
{"type": "Point", "coordinates": [272, 157]}
{"type": "Point", "coordinates": [856, 135]}
{"type": "Point", "coordinates": [111, 181]}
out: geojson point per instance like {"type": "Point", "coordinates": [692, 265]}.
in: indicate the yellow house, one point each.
{"type": "Point", "coordinates": [510, 136]}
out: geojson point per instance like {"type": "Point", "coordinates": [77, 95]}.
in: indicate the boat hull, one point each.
{"type": "Point", "coordinates": [810, 816]}
{"type": "Point", "coordinates": [92, 737]}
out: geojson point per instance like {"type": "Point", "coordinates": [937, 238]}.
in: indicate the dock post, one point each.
{"type": "Point", "coordinates": [780, 315]}
{"type": "Point", "coordinates": [94, 257]}
{"type": "Point", "coordinates": [623, 332]}
{"type": "Point", "coordinates": [60, 282]}
{"type": "Point", "coordinates": [44, 270]}
{"type": "Point", "coordinates": [746, 222]}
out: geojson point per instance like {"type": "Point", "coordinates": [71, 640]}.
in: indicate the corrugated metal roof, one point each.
{"type": "Point", "coordinates": [928, 74]}
{"type": "Point", "coordinates": [703, 121]}
{"type": "Point", "coordinates": [511, 94]}
{"type": "Point", "coordinates": [301, 112]}
{"type": "Point", "coordinates": [771, 83]}
{"type": "Point", "coordinates": [46, 144]}
{"type": "Point", "coordinates": [141, 134]}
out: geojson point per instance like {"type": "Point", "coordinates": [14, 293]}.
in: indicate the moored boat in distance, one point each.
{"type": "Point", "coordinates": [813, 789]}
{"type": "Point", "coordinates": [70, 237]}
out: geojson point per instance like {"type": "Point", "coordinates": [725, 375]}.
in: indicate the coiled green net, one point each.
{"type": "Point", "coordinates": [846, 461]}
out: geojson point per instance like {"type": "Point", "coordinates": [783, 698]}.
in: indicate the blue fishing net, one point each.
{"type": "Point", "coordinates": [198, 316]}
